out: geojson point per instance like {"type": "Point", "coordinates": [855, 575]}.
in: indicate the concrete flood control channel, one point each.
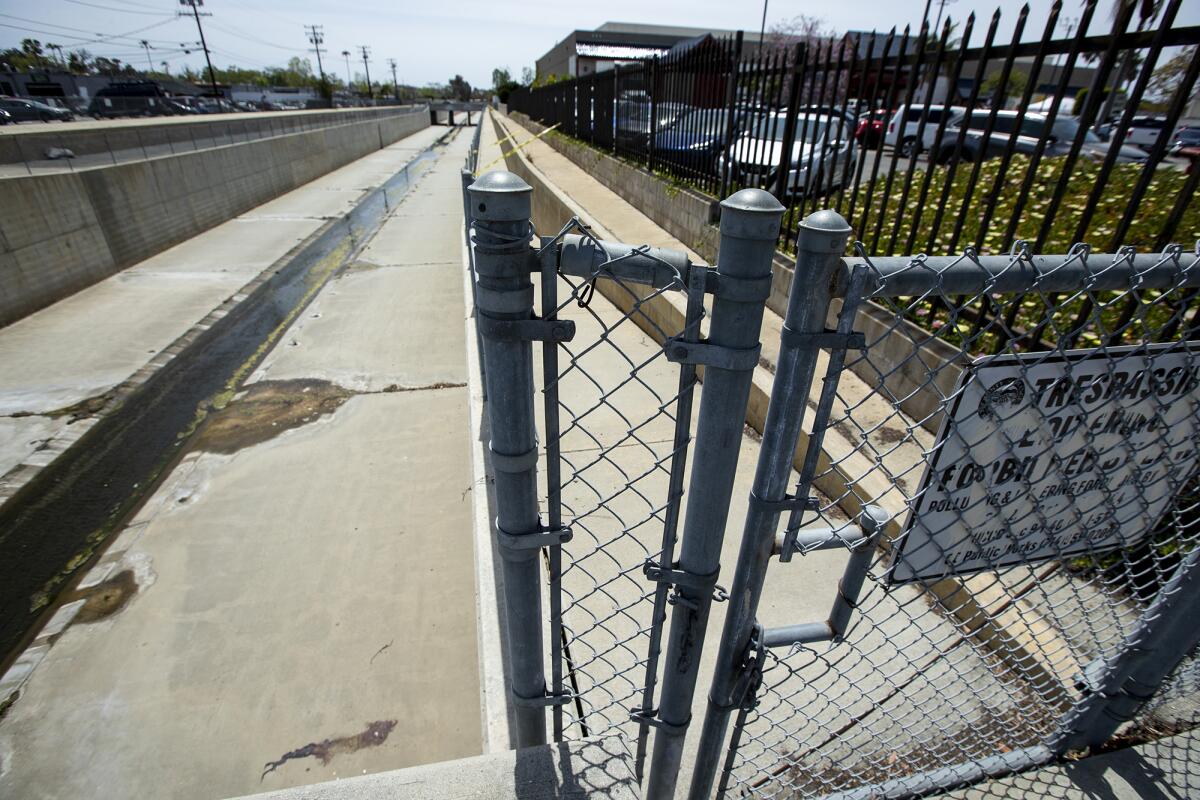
{"type": "Point", "coordinates": [57, 523]}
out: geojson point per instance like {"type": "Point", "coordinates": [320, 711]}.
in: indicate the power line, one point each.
{"type": "Point", "coordinates": [122, 10]}
{"type": "Point", "coordinates": [100, 37]}
{"type": "Point", "coordinates": [253, 39]}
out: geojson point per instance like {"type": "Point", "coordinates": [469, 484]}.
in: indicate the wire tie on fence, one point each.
{"type": "Point", "coordinates": [735, 359]}
{"type": "Point", "coordinates": [586, 294]}
{"type": "Point", "coordinates": [831, 340]}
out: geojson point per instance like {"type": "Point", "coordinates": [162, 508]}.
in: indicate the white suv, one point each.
{"type": "Point", "coordinates": [1144, 131]}
{"type": "Point", "coordinates": [901, 131]}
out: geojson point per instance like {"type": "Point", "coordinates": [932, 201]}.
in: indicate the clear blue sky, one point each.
{"type": "Point", "coordinates": [432, 41]}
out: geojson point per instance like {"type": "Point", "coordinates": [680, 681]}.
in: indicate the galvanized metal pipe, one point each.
{"type": "Point", "coordinates": [951, 777]}
{"type": "Point", "coordinates": [749, 228]}
{"type": "Point", "coordinates": [1165, 633]}
{"type": "Point", "coordinates": [500, 207]}
{"type": "Point", "coordinates": [821, 242]}
{"type": "Point", "coordinates": [959, 275]}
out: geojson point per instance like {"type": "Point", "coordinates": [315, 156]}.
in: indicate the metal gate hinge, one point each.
{"type": "Point", "coordinates": [534, 540]}
{"type": "Point", "coordinates": [788, 503]}
{"type": "Point", "coordinates": [705, 353]}
{"type": "Point", "coordinates": [525, 330]}
{"type": "Point", "coordinates": [649, 716]}
{"type": "Point", "coordinates": [830, 340]}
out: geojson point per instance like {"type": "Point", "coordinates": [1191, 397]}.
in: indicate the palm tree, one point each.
{"type": "Point", "coordinates": [1147, 11]}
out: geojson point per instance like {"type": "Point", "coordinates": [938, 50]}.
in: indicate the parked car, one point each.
{"type": "Point", "coordinates": [135, 99]}
{"type": "Point", "coordinates": [1060, 133]}
{"type": "Point", "coordinates": [632, 126]}
{"type": "Point", "coordinates": [904, 124]}
{"type": "Point", "coordinates": [1144, 131]}
{"type": "Point", "coordinates": [869, 131]}
{"type": "Point", "coordinates": [697, 137]}
{"type": "Point", "coordinates": [823, 149]}
{"type": "Point", "coordinates": [5, 117]}
{"type": "Point", "coordinates": [21, 110]}
{"type": "Point", "coordinates": [1184, 138]}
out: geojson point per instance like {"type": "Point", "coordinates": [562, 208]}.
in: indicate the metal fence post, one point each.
{"type": "Point", "coordinates": [500, 208]}
{"type": "Point", "coordinates": [822, 241]}
{"type": "Point", "coordinates": [749, 227]}
{"type": "Point", "coordinates": [1119, 686]}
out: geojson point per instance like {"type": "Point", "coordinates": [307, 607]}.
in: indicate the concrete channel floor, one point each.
{"type": "Point", "coordinates": [294, 603]}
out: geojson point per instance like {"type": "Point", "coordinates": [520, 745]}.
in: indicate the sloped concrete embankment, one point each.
{"type": "Point", "coordinates": [60, 233]}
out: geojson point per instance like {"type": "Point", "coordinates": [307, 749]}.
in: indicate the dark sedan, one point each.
{"type": "Point", "coordinates": [21, 110]}
{"type": "Point", "coordinates": [696, 138]}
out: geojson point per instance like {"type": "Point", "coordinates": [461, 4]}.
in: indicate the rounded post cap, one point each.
{"type": "Point", "coordinates": [500, 180]}
{"type": "Point", "coordinates": [754, 201]}
{"type": "Point", "coordinates": [826, 221]}
{"type": "Point", "coordinates": [500, 196]}
{"type": "Point", "coordinates": [751, 214]}
{"type": "Point", "coordinates": [872, 518]}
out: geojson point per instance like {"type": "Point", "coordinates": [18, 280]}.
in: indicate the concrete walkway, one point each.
{"type": "Point", "coordinates": [295, 603]}
{"type": "Point", "coordinates": [59, 363]}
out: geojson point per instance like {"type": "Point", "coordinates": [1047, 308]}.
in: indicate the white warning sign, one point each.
{"type": "Point", "coordinates": [1044, 456]}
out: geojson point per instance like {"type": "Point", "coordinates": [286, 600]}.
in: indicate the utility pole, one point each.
{"type": "Point", "coordinates": [349, 82]}
{"type": "Point", "coordinates": [941, 7]}
{"type": "Point", "coordinates": [316, 35]}
{"type": "Point", "coordinates": [366, 51]}
{"type": "Point", "coordinates": [395, 83]}
{"type": "Point", "coordinates": [166, 68]}
{"type": "Point", "coordinates": [195, 6]}
{"type": "Point", "coordinates": [149, 61]}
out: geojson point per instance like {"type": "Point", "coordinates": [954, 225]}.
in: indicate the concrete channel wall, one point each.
{"type": "Point", "coordinates": [62, 232]}
{"type": "Point", "coordinates": [902, 353]}
{"type": "Point", "coordinates": [24, 143]}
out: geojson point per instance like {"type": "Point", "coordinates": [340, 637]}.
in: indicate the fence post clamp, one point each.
{"type": "Point", "coordinates": [829, 340]}
{"type": "Point", "coordinates": [525, 330]}
{"type": "Point", "coordinates": [649, 716]}
{"type": "Point", "coordinates": [534, 540]}
{"type": "Point", "coordinates": [789, 502]}
{"type": "Point", "coordinates": [543, 700]}
{"type": "Point", "coordinates": [735, 359]}
{"type": "Point", "coordinates": [677, 577]}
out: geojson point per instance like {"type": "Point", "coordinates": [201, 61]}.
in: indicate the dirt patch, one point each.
{"type": "Point", "coordinates": [376, 733]}
{"type": "Point", "coordinates": [106, 598]}
{"type": "Point", "coordinates": [268, 409]}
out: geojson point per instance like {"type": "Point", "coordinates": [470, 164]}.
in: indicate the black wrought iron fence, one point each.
{"type": "Point", "coordinates": [926, 141]}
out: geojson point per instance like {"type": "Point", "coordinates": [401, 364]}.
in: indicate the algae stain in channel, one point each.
{"type": "Point", "coordinates": [266, 410]}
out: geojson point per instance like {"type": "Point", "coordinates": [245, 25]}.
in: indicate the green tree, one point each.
{"type": "Point", "coordinates": [1016, 84]}
{"type": "Point", "coordinates": [459, 88]}
{"type": "Point", "coordinates": [503, 84]}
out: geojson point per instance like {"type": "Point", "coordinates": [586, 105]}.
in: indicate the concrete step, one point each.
{"type": "Point", "coordinates": [601, 767]}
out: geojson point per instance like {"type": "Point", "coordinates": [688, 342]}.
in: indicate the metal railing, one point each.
{"type": "Point", "coordinates": [1012, 510]}
{"type": "Point", "coordinates": [871, 126]}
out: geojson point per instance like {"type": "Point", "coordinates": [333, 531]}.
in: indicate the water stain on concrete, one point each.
{"type": "Point", "coordinates": [375, 734]}
{"type": "Point", "coordinates": [106, 598]}
{"type": "Point", "coordinates": [266, 410]}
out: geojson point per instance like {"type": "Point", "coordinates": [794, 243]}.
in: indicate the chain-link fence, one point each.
{"type": "Point", "coordinates": [1012, 441]}
{"type": "Point", "coordinates": [1041, 501]}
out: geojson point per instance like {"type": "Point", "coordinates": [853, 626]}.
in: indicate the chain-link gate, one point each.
{"type": "Point", "coordinates": [1025, 428]}
{"type": "Point", "coordinates": [973, 633]}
